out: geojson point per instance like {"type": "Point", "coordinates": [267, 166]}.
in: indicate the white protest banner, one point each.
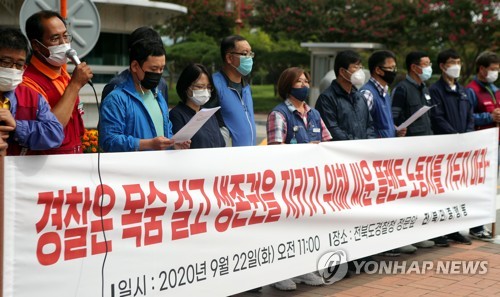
{"type": "Point", "coordinates": [215, 222]}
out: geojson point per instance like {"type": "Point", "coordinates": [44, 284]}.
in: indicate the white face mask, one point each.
{"type": "Point", "coordinates": [57, 54]}
{"type": "Point", "coordinates": [200, 97]}
{"type": "Point", "coordinates": [492, 76]}
{"type": "Point", "coordinates": [453, 71]}
{"type": "Point", "coordinates": [10, 78]}
{"type": "Point", "coordinates": [358, 77]}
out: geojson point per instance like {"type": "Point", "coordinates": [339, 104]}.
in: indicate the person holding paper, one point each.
{"type": "Point", "coordinates": [453, 111]}
{"type": "Point", "coordinates": [195, 89]}
{"type": "Point", "coordinates": [293, 120]}
{"type": "Point", "coordinates": [133, 117]}
{"type": "Point", "coordinates": [411, 94]}
{"type": "Point", "coordinates": [383, 70]}
{"type": "Point", "coordinates": [341, 106]}
{"type": "Point", "coordinates": [140, 33]}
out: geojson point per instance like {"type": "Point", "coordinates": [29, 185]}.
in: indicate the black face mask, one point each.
{"type": "Point", "coordinates": [389, 76]}
{"type": "Point", "coordinates": [150, 80]}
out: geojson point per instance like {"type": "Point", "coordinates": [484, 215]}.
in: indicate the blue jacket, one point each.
{"type": "Point", "coordinates": [453, 111]}
{"type": "Point", "coordinates": [43, 133]}
{"type": "Point", "coordinates": [381, 111]}
{"type": "Point", "coordinates": [237, 111]}
{"type": "Point", "coordinates": [125, 120]}
{"type": "Point", "coordinates": [303, 134]}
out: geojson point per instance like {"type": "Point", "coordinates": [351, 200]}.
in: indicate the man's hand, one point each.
{"type": "Point", "coordinates": [182, 145]}
{"type": "Point", "coordinates": [4, 131]}
{"type": "Point", "coordinates": [402, 132]}
{"type": "Point", "coordinates": [161, 143]}
{"type": "Point", "coordinates": [7, 119]}
{"type": "Point", "coordinates": [3, 147]}
{"type": "Point", "coordinates": [495, 115]}
{"type": "Point", "coordinates": [81, 75]}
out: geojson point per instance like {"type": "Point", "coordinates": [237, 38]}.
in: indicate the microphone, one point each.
{"type": "Point", "coordinates": [73, 56]}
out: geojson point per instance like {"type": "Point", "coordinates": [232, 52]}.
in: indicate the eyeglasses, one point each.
{"type": "Point", "coordinates": [8, 63]}
{"type": "Point", "coordinates": [248, 55]}
{"type": "Point", "coordinates": [67, 38]}
{"type": "Point", "coordinates": [425, 65]}
{"type": "Point", "coordinates": [395, 69]}
{"type": "Point", "coordinates": [201, 87]}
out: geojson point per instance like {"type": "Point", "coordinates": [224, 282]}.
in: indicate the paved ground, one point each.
{"type": "Point", "coordinates": [408, 285]}
{"type": "Point", "coordinates": [430, 283]}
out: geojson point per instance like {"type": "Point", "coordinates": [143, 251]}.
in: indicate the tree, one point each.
{"type": "Point", "coordinates": [208, 17]}
{"type": "Point", "coordinates": [469, 26]}
{"type": "Point", "coordinates": [196, 48]}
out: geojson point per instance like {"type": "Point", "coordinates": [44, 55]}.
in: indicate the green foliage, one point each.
{"type": "Point", "coordinates": [207, 16]}
{"type": "Point", "coordinates": [264, 99]}
{"type": "Point", "coordinates": [197, 48]}
{"type": "Point", "coordinates": [469, 26]}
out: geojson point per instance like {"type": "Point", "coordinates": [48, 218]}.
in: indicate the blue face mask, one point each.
{"type": "Point", "coordinates": [246, 64]}
{"type": "Point", "coordinates": [426, 73]}
{"type": "Point", "coordinates": [300, 93]}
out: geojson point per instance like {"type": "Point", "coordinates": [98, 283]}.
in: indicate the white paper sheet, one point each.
{"type": "Point", "coordinates": [196, 122]}
{"type": "Point", "coordinates": [414, 117]}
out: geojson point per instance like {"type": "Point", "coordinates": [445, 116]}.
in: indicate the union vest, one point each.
{"type": "Point", "coordinates": [26, 110]}
{"type": "Point", "coordinates": [485, 102]}
{"type": "Point", "coordinates": [302, 134]}
{"type": "Point", "coordinates": [72, 143]}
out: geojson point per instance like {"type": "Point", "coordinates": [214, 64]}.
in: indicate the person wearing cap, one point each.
{"type": "Point", "coordinates": [47, 75]}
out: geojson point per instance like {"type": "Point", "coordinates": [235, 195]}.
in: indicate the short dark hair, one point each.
{"type": "Point", "coordinates": [34, 28]}
{"type": "Point", "coordinates": [447, 54]}
{"type": "Point", "coordinates": [377, 59]}
{"type": "Point", "coordinates": [485, 59]}
{"type": "Point", "coordinates": [229, 43]}
{"type": "Point", "coordinates": [189, 75]}
{"type": "Point", "coordinates": [344, 59]}
{"type": "Point", "coordinates": [414, 58]}
{"type": "Point", "coordinates": [13, 39]}
{"type": "Point", "coordinates": [143, 33]}
{"type": "Point", "coordinates": [288, 78]}
{"type": "Point", "coordinates": [142, 49]}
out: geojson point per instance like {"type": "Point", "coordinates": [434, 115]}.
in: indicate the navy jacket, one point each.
{"type": "Point", "coordinates": [345, 115]}
{"type": "Point", "coordinates": [453, 110]}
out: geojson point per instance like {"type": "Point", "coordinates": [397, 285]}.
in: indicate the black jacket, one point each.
{"type": "Point", "coordinates": [407, 98]}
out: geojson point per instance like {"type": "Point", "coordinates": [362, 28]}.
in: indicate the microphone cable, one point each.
{"type": "Point", "coordinates": [73, 56]}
